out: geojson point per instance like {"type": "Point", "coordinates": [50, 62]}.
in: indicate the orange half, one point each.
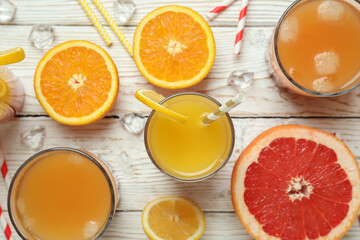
{"type": "Point", "coordinates": [76, 82]}
{"type": "Point", "coordinates": [174, 47]}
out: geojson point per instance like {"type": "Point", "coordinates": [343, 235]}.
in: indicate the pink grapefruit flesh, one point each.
{"type": "Point", "coordinates": [296, 182]}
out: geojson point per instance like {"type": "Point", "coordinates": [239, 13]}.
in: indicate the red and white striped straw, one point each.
{"type": "Point", "coordinates": [5, 226]}
{"type": "Point", "coordinates": [219, 8]}
{"type": "Point", "coordinates": [240, 26]}
{"type": "Point", "coordinates": [4, 169]}
{"type": "Point", "coordinates": [5, 175]}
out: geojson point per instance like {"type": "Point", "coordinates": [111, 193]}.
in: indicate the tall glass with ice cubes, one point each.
{"type": "Point", "coordinates": [315, 47]}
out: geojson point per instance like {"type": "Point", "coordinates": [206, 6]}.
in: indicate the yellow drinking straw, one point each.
{"type": "Point", "coordinates": [207, 119]}
{"type": "Point", "coordinates": [96, 22]}
{"type": "Point", "coordinates": [152, 99]}
{"type": "Point", "coordinates": [114, 27]}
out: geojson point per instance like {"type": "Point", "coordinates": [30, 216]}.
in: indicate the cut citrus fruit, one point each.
{"type": "Point", "coordinates": [76, 82]}
{"type": "Point", "coordinates": [152, 99]}
{"type": "Point", "coordinates": [10, 56]}
{"type": "Point", "coordinates": [174, 47]}
{"type": "Point", "coordinates": [296, 182]}
{"type": "Point", "coordinates": [175, 218]}
{"type": "Point", "coordinates": [3, 89]}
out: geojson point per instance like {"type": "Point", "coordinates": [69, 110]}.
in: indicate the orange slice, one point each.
{"type": "Point", "coordinates": [296, 182]}
{"type": "Point", "coordinates": [174, 47]}
{"type": "Point", "coordinates": [173, 217]}
{"type": "Point", "coordinates": [76, 82]}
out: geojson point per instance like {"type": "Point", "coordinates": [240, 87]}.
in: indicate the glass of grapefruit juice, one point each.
{"type": "Point", "coordinates": [62, 193]}
{"type": "Point", "coordinates": [189, 151]}
{"type": "Point", "coordinates": [315, 48]}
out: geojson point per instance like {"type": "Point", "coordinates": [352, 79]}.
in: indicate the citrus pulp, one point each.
{"type": "Point", "coordinates": [173, 217]}
{"type": "Point", "coordinates": [296, 182]}
{"type": "Point", "coordinates": [76, 82]}
{"type": "Point", "coordinates": [174, 47]}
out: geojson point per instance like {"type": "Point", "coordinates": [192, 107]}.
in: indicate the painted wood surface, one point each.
{"type": "Point", "coordinates": [140, 181]}
{"type": "Point", "coordinates": [69, 12]}
{"type": "Point", "coordinates": [265, 98]}
{"type": "Point", "coordinates": [267, 105]}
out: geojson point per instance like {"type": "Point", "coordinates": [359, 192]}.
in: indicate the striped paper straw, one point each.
{"type": "Point", "coordinates": [223, 109]}
{"type": "Point", "coordinates": [240, 26]}
{"type": "Point", "coordinates": [4, 169]}
{"type": "Point", "coordinates": [96, 22]}
{"type": "Point", "coordinates": [5, 227]}
{"type": "Point", "coordinates": [114, 27]}
{"type": "Point", "coordinates": [219, 8]}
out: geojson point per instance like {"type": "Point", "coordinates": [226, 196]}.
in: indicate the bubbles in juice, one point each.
{"type": "Point", "coordinates": [331, 10]}
{"type": "Point", "coordinates": [326, 63]}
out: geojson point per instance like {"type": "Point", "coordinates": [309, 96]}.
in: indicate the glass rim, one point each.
{"type": "Point", "coordinates": [228, 156]}
{"type": "Point", "coordinates": [68, 149]}
{"type": "Point", "coordinates": [318, 94]}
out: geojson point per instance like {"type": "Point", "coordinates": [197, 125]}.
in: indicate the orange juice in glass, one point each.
{"type": "Point", "coordinates": [62, 193]}
{"type": "Point", "coordinates": [189, 151]}
{"type": "Point", "coordinates": [315, 48]}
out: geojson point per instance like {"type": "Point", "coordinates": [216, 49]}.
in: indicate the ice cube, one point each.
{"type": "Point", "coordinates": [323, 84]}
{"type": "Point", "coordinates": [125, 166]}
{"type": "Point", "coordinates": [289, 29]}
{"type": "Point", "coordinates": [124, 9]}
{"type": "Point", "coordinates": [133, 122]}
{"type": "Point", "coordinates": [33, 138]}
{"type": "Point", "coordinates": [76, 159]}
{"type": "Point", "coordinates": [241, 79]}
{"type": "Point", "coordinates": [295, 74]}
{"type": "Point", "coordinates": [331, 10]}
{"type": "Point", "coordinates": [21, 205]}
{"type": "Point", "coordinates": [90, 229]}
{"type": "Point", "coordinates": [326, 63]}
{"type": "Point", "coordinates": [42, 36]}
{"type": "Point", "coordinates": [7, 11]}
{"type": "Point", "coordinates": [28, 222]}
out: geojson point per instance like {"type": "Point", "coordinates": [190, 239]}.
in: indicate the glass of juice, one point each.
{"type": "Point", "coordinates": [315, 48]}
{"type": "Point", "coordinates": [190, 151]}
{"type": "Point", "coordinates": [62, 193]}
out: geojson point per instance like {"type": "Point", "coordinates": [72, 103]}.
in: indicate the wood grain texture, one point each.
{"type": "Point", "coordinates": [140, 181]}
{"type": "Point", "coordinates": [224, 226]}
{"type": "Point", "coordinates": [264, 97]}
{"type": "Point", "coordinates": [69, 12]}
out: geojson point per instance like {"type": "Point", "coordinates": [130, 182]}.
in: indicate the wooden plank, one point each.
{"type": "Point", "coordinates": [69, 12]}
{"type": "Point", "coordinates": [225, 226]}
{"type": "Point", "coordinates": [264, 98]}
{"type": "Point", "coordinates": [140, 181]}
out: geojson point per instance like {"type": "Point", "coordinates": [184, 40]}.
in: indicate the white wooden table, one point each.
{"type": "Point", "coordinates": [266, 106]}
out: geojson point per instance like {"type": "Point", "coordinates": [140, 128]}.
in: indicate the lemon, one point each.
{"type": "Point", "coordinates": [173, 217]}
{"type": "Point", "coordinates": [11, 56]}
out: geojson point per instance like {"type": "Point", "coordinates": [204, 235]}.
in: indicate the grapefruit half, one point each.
{"type": "Point", "coordinates": [296, 182]}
